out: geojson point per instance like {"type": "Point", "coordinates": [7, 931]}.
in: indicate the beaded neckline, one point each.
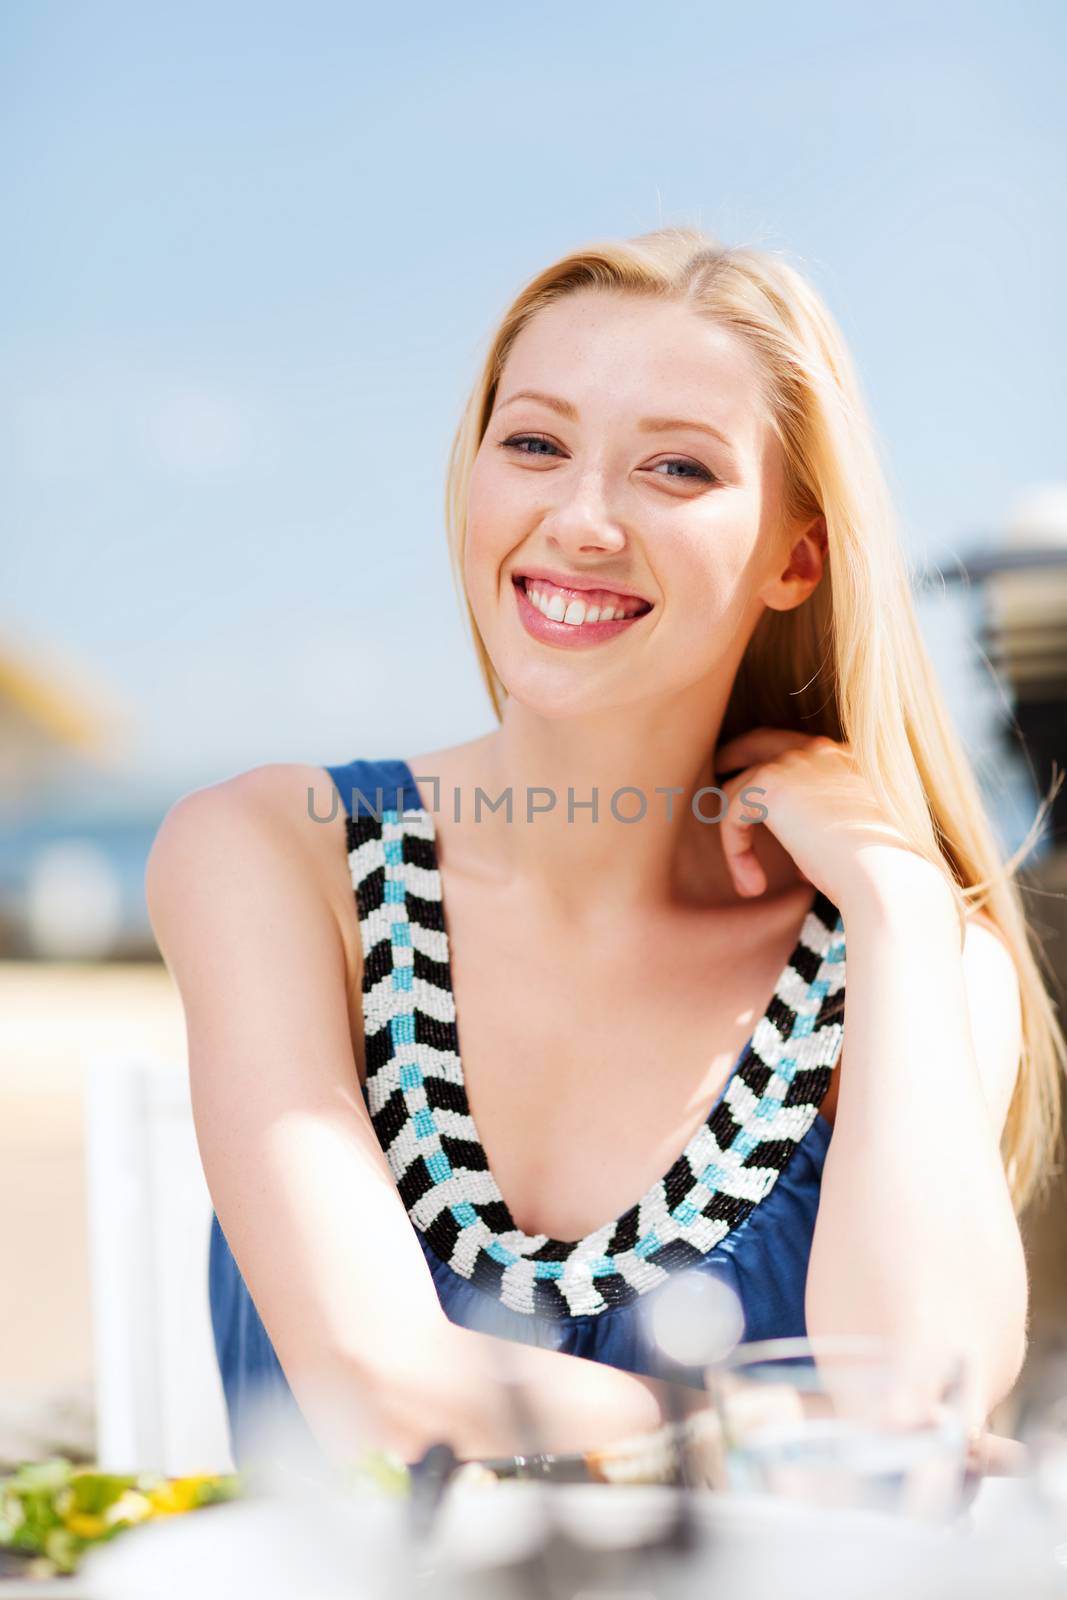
{"type": "Point", "coordinates": [416, 1094]}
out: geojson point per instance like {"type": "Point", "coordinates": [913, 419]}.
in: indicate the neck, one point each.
{"type": "Point", "coordinates": [641, 847]}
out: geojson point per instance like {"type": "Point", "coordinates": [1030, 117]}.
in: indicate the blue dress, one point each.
{"type": "Point", "coordinates": [739, 1202]}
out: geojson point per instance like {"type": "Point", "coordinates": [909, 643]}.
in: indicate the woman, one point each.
{"type": "Point", "coordinates": [727, 757]}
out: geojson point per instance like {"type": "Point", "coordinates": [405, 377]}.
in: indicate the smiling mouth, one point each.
{"type": "Point", "coordinates": [577, 607]}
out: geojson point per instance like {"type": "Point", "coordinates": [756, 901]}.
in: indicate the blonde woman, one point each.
{"type": "Point", "coordinates": [488, 1042]}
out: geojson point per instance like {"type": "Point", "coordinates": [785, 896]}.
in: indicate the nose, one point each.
{"type": "Point", "coordinates": [582, 521]}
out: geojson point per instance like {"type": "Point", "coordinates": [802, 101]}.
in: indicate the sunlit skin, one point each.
{"type": "Point", "coordinates": [689, 520]}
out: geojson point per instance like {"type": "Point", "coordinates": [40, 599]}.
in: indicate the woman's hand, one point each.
{"type": "Point", "coordinates": [993, 1455]}
{"type": "Point", "coordinates": [818, 806]}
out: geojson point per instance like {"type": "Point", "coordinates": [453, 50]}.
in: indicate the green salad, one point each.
{"type": "Point", "coordinates": [52, 1511]}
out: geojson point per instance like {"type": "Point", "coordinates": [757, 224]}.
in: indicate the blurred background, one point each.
{"type": "Point", "coordinates": [253, 256]}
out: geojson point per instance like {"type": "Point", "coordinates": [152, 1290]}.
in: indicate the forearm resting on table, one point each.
{"type": "Point", "coordinates": [454, 1393]}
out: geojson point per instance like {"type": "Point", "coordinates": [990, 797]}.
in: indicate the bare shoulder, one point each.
{"type": "Point", "coordinates": [297, 803]}
{"type": "Point", "coordinates": [293, 810]}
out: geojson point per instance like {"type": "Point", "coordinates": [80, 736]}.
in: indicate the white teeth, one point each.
{"type": "Point", "coordinates": [552, 604]}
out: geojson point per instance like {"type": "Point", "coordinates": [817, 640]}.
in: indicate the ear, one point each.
{"type": "Point", "coordinates": [804, 567]}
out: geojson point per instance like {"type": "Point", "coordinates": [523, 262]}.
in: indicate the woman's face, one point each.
{"type": "Point", "coordinates": [598, 492]}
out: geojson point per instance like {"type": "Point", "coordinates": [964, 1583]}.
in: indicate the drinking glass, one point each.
{"type": "Point", "coordinates": [841, 1422]}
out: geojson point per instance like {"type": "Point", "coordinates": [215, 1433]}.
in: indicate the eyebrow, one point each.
{"type": "Point", "coordinates": [646, 425]}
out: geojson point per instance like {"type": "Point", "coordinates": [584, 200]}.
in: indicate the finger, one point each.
{"type": "Point", "coordinates": [759, 744]}
{"type": "Point", "coordinates": [738, 844]}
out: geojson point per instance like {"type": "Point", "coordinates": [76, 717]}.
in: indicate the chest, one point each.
{"type": "Point", "coordinates": [590, 1062]}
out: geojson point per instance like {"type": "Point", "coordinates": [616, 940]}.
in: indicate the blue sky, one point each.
{"type": "Point", "coordinates": [254, 251]}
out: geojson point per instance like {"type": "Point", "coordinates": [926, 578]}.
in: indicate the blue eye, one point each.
{"type": "Point", "coordinates": [526, 438]}
{"type": "Point", "coordinates": [677, 461]}
{"type": "Point", "coordinates": [517, 440]}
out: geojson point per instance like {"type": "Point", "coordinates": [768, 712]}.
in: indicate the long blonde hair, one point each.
{"type": "Point", "coordinates": [850, 662]}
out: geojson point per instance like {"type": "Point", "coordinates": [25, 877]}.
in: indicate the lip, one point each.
{"type": "Point", "coordinates": [578, 586]}
{"type": "Point", "coordinates": [567, 635]}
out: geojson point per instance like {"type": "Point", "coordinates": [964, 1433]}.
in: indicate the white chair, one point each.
{"type": "Point", "coordinates": [159, 1399]}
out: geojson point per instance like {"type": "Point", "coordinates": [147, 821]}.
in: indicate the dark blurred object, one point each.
{"type": "Point", "coordinates": [429, 1478]}
{"type": "Point", "coordinates": [1023, 584]}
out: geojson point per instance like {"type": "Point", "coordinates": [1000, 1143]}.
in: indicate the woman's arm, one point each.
{"type": "Point", "coordinates": [916, 1237]}
{"type": "Point", "coordinates": [296, 1174]}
